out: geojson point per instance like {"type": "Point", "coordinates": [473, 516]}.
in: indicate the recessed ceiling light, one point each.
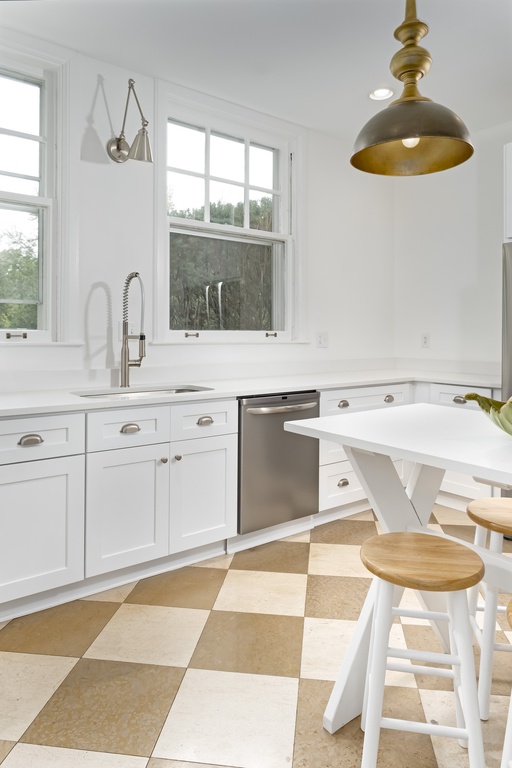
{"type": "Point", "coordinates": [381, 93]}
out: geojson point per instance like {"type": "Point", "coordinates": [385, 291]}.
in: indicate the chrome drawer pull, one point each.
{"type": "Point", "coordinates": [343, 483]}
{"type": "Point", "coordinates": [459, 400]}
{"type": "Point", "coordinates": [178, 457]}
{"type": "Point", "coordinates": [27, 440]}
{"type": "Point", "coordinates": [130, 429]}
{"type": "Point", "coordinates": [204, 421]}
{"type": "Point", "coordinates": [343, 404]}
{"type": "Point", "coordinates": [389, 399]}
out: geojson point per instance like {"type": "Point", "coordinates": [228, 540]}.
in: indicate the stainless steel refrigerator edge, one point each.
{"type": "Point", "coordinates": [278, 470]}
{"type": "Point", "coordinates": [506, 337]}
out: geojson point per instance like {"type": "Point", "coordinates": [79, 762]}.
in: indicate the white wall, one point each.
{"type": "Point", "coordinates": [448, 238]}
{"type": "Point", "coordinates": [385, 259]}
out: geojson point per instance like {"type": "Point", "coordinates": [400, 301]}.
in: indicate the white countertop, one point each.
{"type": "Point", "coordinates": [55, 401]}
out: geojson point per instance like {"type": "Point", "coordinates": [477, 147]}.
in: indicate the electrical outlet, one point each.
{"type": "Point", "coordinates": [322, 339]}
{"type": "Point", "coordinates": [425, 340]}
{"type": "Point", "coordinates": [132, 329]}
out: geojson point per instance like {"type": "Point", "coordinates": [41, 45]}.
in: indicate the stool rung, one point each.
{"type": "Point", "coordinates": [415, 613]}
{"type": "Point", "coordinates": [418, 669]}
{"type": "Point", "coordinates": [414, 655]}
{"type": "Point", "coordinates": [432, 729]}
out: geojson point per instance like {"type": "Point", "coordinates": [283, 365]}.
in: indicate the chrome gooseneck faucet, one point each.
{"type": "Point", "coordinates": [126, 363]}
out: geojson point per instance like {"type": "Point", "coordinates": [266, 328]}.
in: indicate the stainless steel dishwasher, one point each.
{"type": "Point", "coordinates": [278, 470]}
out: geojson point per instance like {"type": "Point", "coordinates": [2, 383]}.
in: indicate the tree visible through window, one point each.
{"type": "Point", "coordinates": [227, 261]}
{"type": "Point", "coordinates": [22, 210]}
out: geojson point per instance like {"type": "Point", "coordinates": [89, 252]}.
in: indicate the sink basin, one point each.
{"type": "Point", "coordinates": [129, 393]}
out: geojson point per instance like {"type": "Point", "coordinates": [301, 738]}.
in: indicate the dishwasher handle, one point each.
{"type": "Point", "coordinates": [266, 410]}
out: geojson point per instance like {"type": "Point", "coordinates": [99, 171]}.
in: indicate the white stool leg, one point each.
{"type": "Point", "coordinates": [459, 618]}
{"type": "Point", "coordinates": [377, 672]}
{"type": "Point", "coordinates": [506, 757]}
{"type": "Point", "coordinates": [488, 636]}
{"type": "Point", "coordinates": [474, 592]}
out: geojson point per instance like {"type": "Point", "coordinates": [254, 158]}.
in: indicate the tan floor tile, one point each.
{"type": "Point", "coordinates": [35, 756]}
{"type": "Point", "coordinates": [66, 630]}
{"type": "Point", "coordinates": [150, 634]}
{"type": "Point", "coordinates": [336, 597]}
{"type": "Point", "coordinates": [314, 746]}
{"type": "Point", "coordinates": [5, 748]}
{"type": "Point", "coordinates": [449, 516]}
{"type": "Point", "coordinates": [336, 560]}
{"type": "Point", "coordinates": [400, 749]}
{"type": "Point", "coordinates": [211, 708]}
{"type": "Point", "coordinates": [344, 531]}
{"type": "Point", "coordinates": [462, 532]}
{"type": "Point", "coordinates": [27, 682]}
{"type": "Point", "coordinates": [107, 706]}
{"type": "Point", "coordinates": [115, 595]}
{"type": "Point", "coordinates": [423, 638]}
{"type": "Point", "coordinates": [263, 592]}
{"type": "Point", "coordinates": [277, 556]}
{"type": "Point", "coordinates": [187, 587]}
{"type": "Point", "coordinates": [252, 643]}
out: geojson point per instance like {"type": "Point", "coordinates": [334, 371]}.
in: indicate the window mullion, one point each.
{"type": "Point", "coordinates": [207, 176]}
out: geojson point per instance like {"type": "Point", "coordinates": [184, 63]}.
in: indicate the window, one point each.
{"type": "Point", "coordinates": [25, 208]}
{"type": "Point", "coordinates": [230, 246]}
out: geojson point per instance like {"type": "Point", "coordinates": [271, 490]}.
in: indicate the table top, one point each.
{"type": "Point", "coordinates": [455, 439]}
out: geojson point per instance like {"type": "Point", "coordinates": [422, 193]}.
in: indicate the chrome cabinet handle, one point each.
{"type": "Point", "coordinates": [129, 429]}
{"type": "Point", "coordinates": [178, 457]}
{"type": "Point", "coordinates": [459, 400]}
{"type": "Point", "coordinates": [204, 421]}
{"type": "Point", "coordinates": [389, 399]}
{"type": "Point", "coordinates": [266, 410]}
{"type": "Point", "coordinates": [343, 483]}
{"type": "Point", "coordinates": [343, 404]}
{"type": "Point", "coordinates": [164, 459]}
{"type": "Point", "coordinates": [27, 440]}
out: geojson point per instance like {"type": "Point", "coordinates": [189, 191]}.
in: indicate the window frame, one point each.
{"type": "Point", "coordinates": [179, 104]}
{"type": "Point", "coordinates": [57, 310]}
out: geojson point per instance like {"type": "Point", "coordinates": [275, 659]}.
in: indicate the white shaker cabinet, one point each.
{"type": "Point", "coordinates": [41, 504]}
{"type": "Point", "coordinates": [338, 483]}
{"type": "Point", "coordinates": [127, 488]}
{"type": "Point", "coordinates": [203, 482]}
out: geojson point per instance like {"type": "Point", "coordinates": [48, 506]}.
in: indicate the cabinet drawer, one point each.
{"type": "Point", "coordinates": [450, 394]}
{"type": "Point", "coordinates": [339, 401]}
{"type": "Point", "coordinates": [192, 420]}
{"type": "Point", "coordinates": [41, 437]}
{"type": "Point", "coordinates": [127, 427]}
{"type": "Point", "coordinates": [338, 485]}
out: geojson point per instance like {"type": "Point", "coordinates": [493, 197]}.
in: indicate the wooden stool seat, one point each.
{"type": "Point", "coordinates": [494, 514]}
{"type": "Point", "coordinates": [422, 562]}
{"type": "Point", "coordinates": [493, 520]}
{"type": "Point", "coordinates": [425, 563]}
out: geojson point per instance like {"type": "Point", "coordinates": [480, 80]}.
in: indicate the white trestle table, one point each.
{"type": "Point", "coordinates": [435, 438]}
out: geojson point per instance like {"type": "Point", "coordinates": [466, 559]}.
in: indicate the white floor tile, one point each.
{"type": "Point", "coordinates": [263, 592]}
{"type": "Point", "coordinates": [34, 756]}
{"type": "Point", "coordinates": [229, 718]}
{"type": "Point", "coordinates": [27, 681]}
{"type": "Point", "coordinates": [324, 645]}
{"type": "Point", "coordinates": [150, 634]}
{"type": "Point", "coordinates": [336, 560]}
{"type": "Point", "coordinates": [115, 595]}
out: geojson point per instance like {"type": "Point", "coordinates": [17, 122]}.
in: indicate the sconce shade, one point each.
{"type": "Point", "coordinates": [141, 148]}
{"type": "Point", "coordinates": [413, 135]}
{"type": "Point", "coordinates": [118, 148]}
{"type": "Point", "coordinates": [444, 140]}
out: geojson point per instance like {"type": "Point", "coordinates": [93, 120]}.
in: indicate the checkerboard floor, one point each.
{"type": "Point", "coordinates": [228, 663]}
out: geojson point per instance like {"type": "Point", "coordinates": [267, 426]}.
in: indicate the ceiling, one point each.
{"type": "Point", "coordinates": [312, 62]}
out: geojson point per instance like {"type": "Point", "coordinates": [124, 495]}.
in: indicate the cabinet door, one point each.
{"type": "Point", "coordinates": [127, 507]}
{"type": "Point", "coordinates": [203, 491]}
{"type": "Point", "coordinates": [42, 523]}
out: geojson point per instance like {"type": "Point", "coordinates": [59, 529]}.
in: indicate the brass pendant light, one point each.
{"type": "Point", "coordinates": [413, 135]}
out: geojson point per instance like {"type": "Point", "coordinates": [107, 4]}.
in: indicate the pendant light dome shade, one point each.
{"type": "Point", "coordinates": [413, 135]}
{"type": "Point", "coordinates": [443, 140]}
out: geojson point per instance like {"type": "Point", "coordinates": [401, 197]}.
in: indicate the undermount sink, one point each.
{"type": "Point", "coordinates": [130, 393]}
